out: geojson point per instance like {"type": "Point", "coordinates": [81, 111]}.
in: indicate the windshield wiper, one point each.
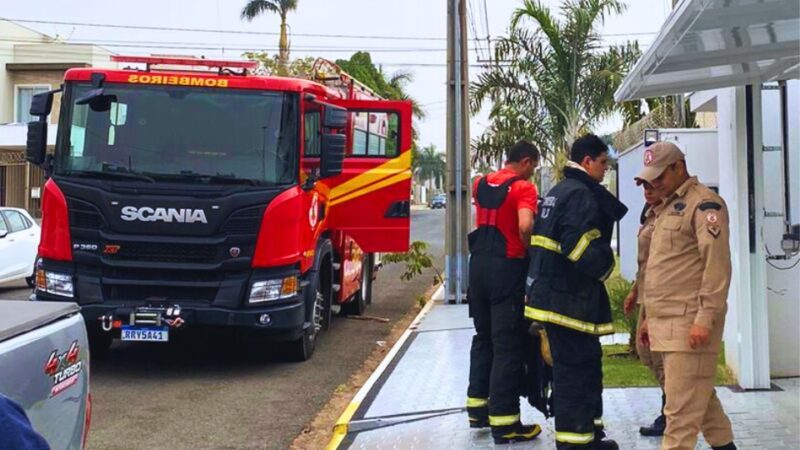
{"type": "Point", "coordinates": [190, 176]}
{"type": "Point", "coordinates": [111, 175]}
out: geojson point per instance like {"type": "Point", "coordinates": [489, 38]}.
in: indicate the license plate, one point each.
{"type": "Point", "coordinates": [155, 334]}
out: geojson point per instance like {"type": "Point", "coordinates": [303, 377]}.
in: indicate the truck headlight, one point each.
{"type": "Point", "coordinates": [271, 290]}
{"type": "Point", "coordinates": [54, 283]}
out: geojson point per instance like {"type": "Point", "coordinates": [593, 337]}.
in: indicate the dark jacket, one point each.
{"type": "Point", "coordinates": [571, 255]}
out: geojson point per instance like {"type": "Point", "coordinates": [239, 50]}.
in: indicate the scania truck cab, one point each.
{"type": "Point", "coordinates": [180, 198]}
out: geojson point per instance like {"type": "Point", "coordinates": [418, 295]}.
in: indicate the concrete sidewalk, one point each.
{"type": "Point", "coordinates": [416, 401]}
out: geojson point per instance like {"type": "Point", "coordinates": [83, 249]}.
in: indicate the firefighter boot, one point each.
{"type": "Point", "coordinates": [730, 446]}
{"type": "Point", "coordinates": [478, 416]}
{"type": "Point", "coordinates": [607, 444]}
{"type": "Point", "coordinates": [515, 433]}
{"type": "Point", "coordinates": [659, 425]}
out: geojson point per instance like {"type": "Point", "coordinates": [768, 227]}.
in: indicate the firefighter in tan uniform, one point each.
{"type": "Point", "coordinates": [685, 297]}
{"type": "Point", "coordinates": [652, 360]}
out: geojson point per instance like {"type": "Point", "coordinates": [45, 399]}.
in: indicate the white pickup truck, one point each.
{"type": "Point", "coordinates": [44, 367]}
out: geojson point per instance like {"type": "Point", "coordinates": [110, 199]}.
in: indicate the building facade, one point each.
{"type": "Point", "coordinates": [31, 63]}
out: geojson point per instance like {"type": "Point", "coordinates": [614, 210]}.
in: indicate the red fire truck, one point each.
{"type": "Point", "coordinates": [181, 198]}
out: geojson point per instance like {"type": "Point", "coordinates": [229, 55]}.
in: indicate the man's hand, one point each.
{"type": "Point", "coordinates": [644, 334]}
{"type": "Point", "coordinates": [698, 336]}
{"type": "Point", "coordinates": [630, 302]}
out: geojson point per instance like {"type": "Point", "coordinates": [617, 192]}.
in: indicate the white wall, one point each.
{"type": "Point", "coordinates": [783, 286]}
{"type": "Point", "coordinates": [700, 147]}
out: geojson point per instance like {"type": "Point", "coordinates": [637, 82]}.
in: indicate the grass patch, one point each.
{"type": "Point", "coordinates": [620, 369]}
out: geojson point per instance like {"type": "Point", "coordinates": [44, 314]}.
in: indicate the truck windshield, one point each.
{"type": "Point", "coordinates": [179, 134]}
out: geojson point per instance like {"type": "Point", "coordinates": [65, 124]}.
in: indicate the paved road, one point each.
{"type": "Point", "coordinates": [205, 392]}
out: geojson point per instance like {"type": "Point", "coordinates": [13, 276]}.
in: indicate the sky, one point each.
{"type": "Point", "coordinates": [407, 35]}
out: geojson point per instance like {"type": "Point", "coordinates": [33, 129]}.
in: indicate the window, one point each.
{"type": "Point", "coordinates": [24, 97]}
{"type": "Point", "coordinates": [312, 137]}
{"type": "Point", "coordinates": [16, 221]}
{"type": "Point", "coordinates": [3, 226]}
{"type": "Point", "coordinates": [375, 134]}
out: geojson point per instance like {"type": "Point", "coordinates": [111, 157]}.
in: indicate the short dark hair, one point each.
{"type": "Point", "coordinates": [589, 145]}
{"type": "Point", "coordinates": [521, 150]}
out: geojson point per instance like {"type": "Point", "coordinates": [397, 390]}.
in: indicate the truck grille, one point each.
{"type": "Point", "coordinates": [159, 293]}
{"type": "Point", "coordinates": [244, 221]}
{"type": "Point", "coordinates": [84, 215]}
{"type": "Point", "coordinates": [165, 252]}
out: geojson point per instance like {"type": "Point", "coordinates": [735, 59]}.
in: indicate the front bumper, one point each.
{"type": "Point", "coordinates": [116, 297]}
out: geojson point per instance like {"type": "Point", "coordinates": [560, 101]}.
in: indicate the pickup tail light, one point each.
{"type": "Point", "coordinates": [87, 422]}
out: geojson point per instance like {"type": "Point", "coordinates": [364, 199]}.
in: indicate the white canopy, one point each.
{"type": "Point", "coordinates": [710, 44]}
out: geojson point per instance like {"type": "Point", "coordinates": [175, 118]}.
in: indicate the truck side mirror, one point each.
{"type": "Point", "coordinates": [36, 148]}
{"type": "Point", "coordinates": [332, 155]}
{"type": "Point", "coordinates": [42, 103]}
{"type": "Point", "coordinates": [335, 117]}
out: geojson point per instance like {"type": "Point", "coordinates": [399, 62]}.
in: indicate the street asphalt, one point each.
{"type": "Point", "coordinates": [211, 391]}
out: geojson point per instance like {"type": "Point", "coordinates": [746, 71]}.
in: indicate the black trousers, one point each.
{"type": "Point", "coordinates": [577, 387]}
{"type": "Point", "coordinates": [496, 304]}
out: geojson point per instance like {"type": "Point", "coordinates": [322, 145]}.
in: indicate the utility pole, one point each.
{"type": "Point", "coordinates": [679, 111]}
{"type": "Point", "coordinates": [457, 182]}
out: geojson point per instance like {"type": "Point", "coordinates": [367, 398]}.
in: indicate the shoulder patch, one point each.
{"type": "Point", "coordinates": [709, 205]}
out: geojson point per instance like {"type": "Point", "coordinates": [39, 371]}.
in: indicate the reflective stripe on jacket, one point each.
{"type": "Point", "coordinates": [571, 255]}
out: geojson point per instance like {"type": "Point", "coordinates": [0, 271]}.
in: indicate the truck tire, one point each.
{"type": "Point", "coordinates": [358, 304]}
{"type": "Point", "coordinates": [99, 341]}
{"type": "Point", "coordinates": [318, 304]}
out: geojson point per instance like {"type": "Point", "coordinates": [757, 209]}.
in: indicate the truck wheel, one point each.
{"type": "Point", "coordinates": [99, 341]}
{"type": "Point", "coordinates": [363, 297]}
{"type": "Point", "coordinates": [320, 309]}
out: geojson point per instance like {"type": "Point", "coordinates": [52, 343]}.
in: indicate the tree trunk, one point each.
{"type": "Point", "coordinates": [283, 48]}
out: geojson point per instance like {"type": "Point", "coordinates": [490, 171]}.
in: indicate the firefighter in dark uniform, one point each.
{"type": "Point", "coordinates": [505, 204]}
{"type": "Point", "coordinates": [571, 257]}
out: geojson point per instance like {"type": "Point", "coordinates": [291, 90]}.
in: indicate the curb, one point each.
{"type": "Point", "coordinates": [341, 428]}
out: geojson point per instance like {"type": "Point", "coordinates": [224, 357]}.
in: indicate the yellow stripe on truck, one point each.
{"type": "Point", "coordinates": [374, 187]}
{"type": "Point", "coordinates": [394, 166]}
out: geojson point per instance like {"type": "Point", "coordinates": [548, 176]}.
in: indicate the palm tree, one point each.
{"type": "Point", "coordinates": [429, 166]}
{"type": "Point", "coordinates": [254, 8]}
{"type": "Point", "coordinates": [555, 80]}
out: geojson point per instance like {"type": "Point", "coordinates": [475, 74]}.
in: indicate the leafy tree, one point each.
{"type": "Point", "coordinates": [254, 8]}
{"type": "Point", "coordinates": [390, 86]}
{"type": "Point", "coordinates": [555, 80]}
{"type": "Point", "coordinates": [270, 65]}
{"type": "Point", "coordinates": [429, 165]}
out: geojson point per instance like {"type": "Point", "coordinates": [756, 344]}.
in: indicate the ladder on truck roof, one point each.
{"type": "Point", "coordinates": [331, 75]}
{"type": "Point", "coordinates": [223, 66]}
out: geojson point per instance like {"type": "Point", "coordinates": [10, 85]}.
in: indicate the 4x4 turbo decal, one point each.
{"type": "Point", "coordinates": [64, 368]}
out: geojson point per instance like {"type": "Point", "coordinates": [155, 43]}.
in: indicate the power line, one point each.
{"type": "Point", "coordinates": [55, 54]}
{"type": "Point", "coordinates": [213, 46]}
{"type": "Point", "coordinates": [474, 29]}
{"type": "Point", "coordinates": [208, 30]}
{"type": "Point", "coordinates": [488, 30]}
{"type": "Point", "coordinates": [162, 45]}
{"type": "Point", "coordinates": [267, 33]}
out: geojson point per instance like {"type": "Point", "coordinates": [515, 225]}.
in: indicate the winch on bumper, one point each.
{"type": "Point", "coordinates": [285, 321]}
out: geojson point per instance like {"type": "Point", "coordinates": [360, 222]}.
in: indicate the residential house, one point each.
{"type": "Point", "coordinates": [30, 63]}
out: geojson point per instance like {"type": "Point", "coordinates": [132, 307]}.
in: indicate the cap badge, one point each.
{"type": "Point", "coordinates": [648, 157]}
